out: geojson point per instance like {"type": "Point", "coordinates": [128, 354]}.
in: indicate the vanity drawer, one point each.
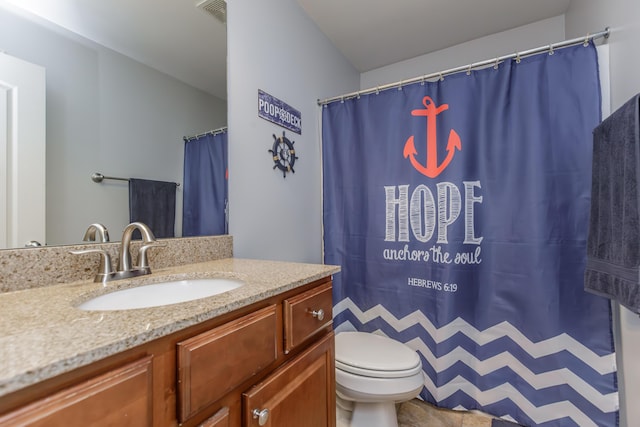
{"type": "Point", "coordinates": [306, 314]}
{"type": "Point", "coordinates": [214, 362]}
{"type": "Point", "coordinates": [122, 396]}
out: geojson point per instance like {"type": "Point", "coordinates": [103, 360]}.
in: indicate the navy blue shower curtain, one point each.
{"type": "Point", "coordinates": [458, 211]}
{"type": "Point", "coordinates": [205, 193]}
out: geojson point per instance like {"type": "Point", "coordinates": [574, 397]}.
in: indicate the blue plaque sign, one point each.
{"type": "Point", "coordinates": [278, 112]}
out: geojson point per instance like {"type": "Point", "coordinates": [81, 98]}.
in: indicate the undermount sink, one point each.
{"type": "Point", "coordinates": [159, 294]}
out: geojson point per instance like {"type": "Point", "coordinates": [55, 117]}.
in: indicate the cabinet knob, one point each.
{"type": "Point", "coordinates": [318, 314]}
{"type": "Point", "coordinates": [261, 415]}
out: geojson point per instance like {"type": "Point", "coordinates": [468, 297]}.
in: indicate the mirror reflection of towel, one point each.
{"type": "Point", "coordinates": [153, 203]}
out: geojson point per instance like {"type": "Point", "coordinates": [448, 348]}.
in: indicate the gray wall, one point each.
{"type": "Point", "coordinates": [507, 42]}
{"type": "Point", "coordinates": [105, 113]}
{"type": "Point", "coordinates": [275, 47]}
{"type": "Point", "coordinates": [623, 17]}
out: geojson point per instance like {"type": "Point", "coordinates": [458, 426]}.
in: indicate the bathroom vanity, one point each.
{"type": "Point", "coordinates": [262, 354]}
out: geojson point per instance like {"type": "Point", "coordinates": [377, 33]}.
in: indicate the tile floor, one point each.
{"type": "Point", "coordinates": [417, 413]}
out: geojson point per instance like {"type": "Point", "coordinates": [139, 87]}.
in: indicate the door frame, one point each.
{"type": "Point", "coordinates": [23, 152]}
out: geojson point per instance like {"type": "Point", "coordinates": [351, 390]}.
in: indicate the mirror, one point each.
{"type": "Point", "coordinates": [117, 102]}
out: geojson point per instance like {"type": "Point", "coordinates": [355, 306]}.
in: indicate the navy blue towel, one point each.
{"type": "Point", "coordinates": [613, 245]}
{"type": "Point", "coordinates": [153, 203]}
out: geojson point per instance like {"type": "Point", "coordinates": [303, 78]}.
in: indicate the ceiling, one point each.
{"type": "Point", "coordinates": [181, 40]}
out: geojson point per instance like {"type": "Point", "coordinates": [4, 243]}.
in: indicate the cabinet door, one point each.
{"type": "Point", "coordinates": [300, 393]}
{"type": "Point", "coordinates": [121, 397]}
{"type": "Point", "coordinates": [220, 419]}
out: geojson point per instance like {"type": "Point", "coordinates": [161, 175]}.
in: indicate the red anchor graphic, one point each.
{"type": "Point", "coordinates": [431, 169]}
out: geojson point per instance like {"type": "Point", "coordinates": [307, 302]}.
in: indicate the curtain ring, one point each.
{"type": "Point", "coordinates": [441, 77]}
{"type": "Point", "coordinates": [586, 40]}
{"type": "Point", "coordinates": [495, 67]}
{"type": "Point", "coordinates": [342, 100]}
{"type": "Point", "coordinates": [469, 70]}
{"type": "Point", "coordinates": [551, 52]}
{"type": "Point", "coordinates": [377, 90]}
{"type": "Point", "coordinates": [518, 59]}
{"type": "Point", "coordinates": [422, 81]}
{"type": "Point", "coordinates": [400, 85]}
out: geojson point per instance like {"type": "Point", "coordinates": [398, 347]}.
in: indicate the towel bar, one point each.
{"type": "Point", "coordinates": [98, 177]}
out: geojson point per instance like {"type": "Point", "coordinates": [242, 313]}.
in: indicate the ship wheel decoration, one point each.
{"type": "Point", "coordinates": [284, 155]}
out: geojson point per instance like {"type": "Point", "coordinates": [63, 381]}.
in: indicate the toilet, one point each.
{"type": "Point", "coordinates": [373, 373]}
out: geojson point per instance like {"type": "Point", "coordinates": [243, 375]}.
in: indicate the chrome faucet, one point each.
{"type": "Point", "coordinates": [125, 269]}
{"type": "Point", "coordinates": [96, 232]}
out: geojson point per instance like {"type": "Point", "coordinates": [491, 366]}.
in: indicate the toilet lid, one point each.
{"type": "Point", "coordinates": [375, 356]}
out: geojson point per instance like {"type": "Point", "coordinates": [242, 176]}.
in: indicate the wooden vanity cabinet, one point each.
{"type": "Point", "coordinates": [300, 393]}
{"type": "Point", "coordinates": [274, 355]}
{"type": "Point", "coordinates": [279, 360]}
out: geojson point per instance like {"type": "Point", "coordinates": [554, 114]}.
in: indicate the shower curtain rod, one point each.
{"type": "Point", "coordinates": [469, 67]}
{"type": "Point", "coordinates": [212, 132]}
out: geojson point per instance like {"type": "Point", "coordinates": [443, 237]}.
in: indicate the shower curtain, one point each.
{"type": "Point", "coordinates": [205, 194]}
{"type": "Point", "coordinates": [458, 211]}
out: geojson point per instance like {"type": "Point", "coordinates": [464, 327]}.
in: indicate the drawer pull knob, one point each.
{"type": "Point", "coordinates": [318, 314]}
{"type": "Point", "coordinates": [261, 415]}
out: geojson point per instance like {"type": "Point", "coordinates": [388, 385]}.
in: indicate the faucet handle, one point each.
{"type": "Point", "coordinates": [105, 271]}
{"type": "Point", "coordinates": [143, 261]}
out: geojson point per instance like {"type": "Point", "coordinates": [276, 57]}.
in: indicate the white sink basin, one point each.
{"type": "Point", "coordinates": [159, 294]}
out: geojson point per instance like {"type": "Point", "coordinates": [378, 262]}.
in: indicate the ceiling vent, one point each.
{"type": "Point", "coordinates": [217, 8]}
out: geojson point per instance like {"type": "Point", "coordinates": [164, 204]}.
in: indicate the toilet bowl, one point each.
{"type": "Point", "coordinates": [373, 373]}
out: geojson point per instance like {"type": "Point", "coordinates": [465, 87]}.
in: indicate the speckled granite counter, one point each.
{"type": "Point", "coordinates": [43, 334]}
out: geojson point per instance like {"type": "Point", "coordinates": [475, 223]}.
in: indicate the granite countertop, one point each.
{"type": "Point", "coordinates": [43, 334]}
